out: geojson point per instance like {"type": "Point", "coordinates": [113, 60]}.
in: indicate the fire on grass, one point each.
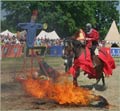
{"type": "Point", "coordinates": [61, 92]}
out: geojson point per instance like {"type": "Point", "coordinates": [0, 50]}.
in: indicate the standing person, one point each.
{"type": "Point", "coordinates": [67, 55]}
{"type": "Point", "coordinates": [92, 37]}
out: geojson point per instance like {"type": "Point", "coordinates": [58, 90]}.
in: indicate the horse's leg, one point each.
{"type": "Point", "coordinates": [103, 80]}
{"type": "Point", "coordinates": [66, 67]}
{"type": "Point", "coordinates": [94, 85]}
{"type": "Point", "coordinates": [75, 83]}
{"type": "Point", "coordinates": [98, 80]}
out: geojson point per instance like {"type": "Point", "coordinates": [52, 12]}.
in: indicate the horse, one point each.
{"type": "Point", "coordinates": [79, 48]}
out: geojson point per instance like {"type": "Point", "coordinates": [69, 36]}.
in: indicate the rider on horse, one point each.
{"type": "Point", "coordinates": [92, 37]}
{"type": "Point", "coordinates": [94, 68]}
{"type": "Point", "coordinates": [88, 39]}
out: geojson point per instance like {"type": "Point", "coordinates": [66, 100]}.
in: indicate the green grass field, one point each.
{"type": "Point", "coordinates": [117, 60]}
{"type": "Point", "coordinates": [17, 64]}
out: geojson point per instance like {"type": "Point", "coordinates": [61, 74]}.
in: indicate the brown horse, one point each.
{"type": "Point", "coordinates": [79, 48]}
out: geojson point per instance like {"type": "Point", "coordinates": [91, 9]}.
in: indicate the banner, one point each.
{"type": "Point", "coordinates": [9, 50]}
{"type": "Point", "coordinates": [56, 50]}
{"type": "Point", "coordinates": [115, 52]}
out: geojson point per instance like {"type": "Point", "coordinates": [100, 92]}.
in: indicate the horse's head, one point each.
{"type": "Point", "coordinates": [74, 45]}
{"type": "Point", "coordinates": [78, 47]}
{"type": "Point", "coordinates": [78, 42]}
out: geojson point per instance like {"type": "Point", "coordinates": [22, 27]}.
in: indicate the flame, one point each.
{"type": "Point", "coordinates": [63, 93]}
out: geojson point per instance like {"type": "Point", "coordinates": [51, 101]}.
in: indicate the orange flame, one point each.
{"type": "Point", "coordinates": [63, 93]}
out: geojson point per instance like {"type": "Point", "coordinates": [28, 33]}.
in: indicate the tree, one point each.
{"type": "Point", "coordinates": [63, 16]}
{"type": "Point", "coordinates": [105, 14]}
{"type": "Point", "coordinates": [16, 12]}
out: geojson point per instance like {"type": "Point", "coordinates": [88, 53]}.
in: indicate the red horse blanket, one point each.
{"type": "Point", "coordinates": [85, 63]}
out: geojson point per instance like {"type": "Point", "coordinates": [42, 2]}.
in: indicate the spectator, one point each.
{"type": "Point", "coordinates": [38, 42]}
{"type": "Point", "coordinates": [6, 40]}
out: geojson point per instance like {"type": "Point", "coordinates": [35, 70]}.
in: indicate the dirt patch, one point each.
{"type": "Point", "coordinates": [14, 98]}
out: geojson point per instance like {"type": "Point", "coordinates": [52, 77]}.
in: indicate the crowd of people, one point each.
{"type": "Point", "coordinates": [9, 40]}
{"type": "Point", "coordinates": [37, 42]}
{"type": "Point", "coordinates": [48, 42]}
{"type": "Point", "coordinates": [91, 36]}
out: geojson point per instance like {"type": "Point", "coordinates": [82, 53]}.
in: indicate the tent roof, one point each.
{"type": "Point", "coordinates": [113, 34]}
{"type": "Point", "coordinates": [7, 32]}
{"type": "Point", "coordinates": [49, 35]}
{"type": "Point", "coordinates": [53, 35]}
{"type": "Point", "coordinates": [23, 32]}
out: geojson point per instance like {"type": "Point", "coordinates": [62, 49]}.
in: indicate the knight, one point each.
{"type": "Point", "coordinates": [92, 37]}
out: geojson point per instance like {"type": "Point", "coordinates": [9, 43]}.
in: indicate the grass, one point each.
{"type": "Point", "coordinates": [17, 64]}
{"type": "Point", "coordinates": [117, 60]}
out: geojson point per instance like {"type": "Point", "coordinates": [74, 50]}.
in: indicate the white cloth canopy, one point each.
{"type": "Point", "coordinates": [113, 35]}
{"type": "Point", "coordinates": [7, 33]}
{"type": "Point", "coordinates": [23, 33]}
{"type": "Point", "coordinates": [48, 35]}
{"type": "Point", "coordinates": [53, 35]}
{"type": "Point", "coordinates": [42, 35]}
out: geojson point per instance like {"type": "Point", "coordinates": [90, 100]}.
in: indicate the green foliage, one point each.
{"type": "Point", "coordinates": [63, 16]}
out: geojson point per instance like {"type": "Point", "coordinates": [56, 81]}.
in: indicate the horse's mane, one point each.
{"type": "Point", "coordinates": [76, 35]}
{"type": "Point", "coordinates": [80, 34]}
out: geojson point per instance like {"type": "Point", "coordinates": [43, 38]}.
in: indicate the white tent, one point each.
{"type": "Point", "coordinates": [113, 35]}
{"type": "Point", "coordinates": [22, 33]}
{"type": "Point", "coordinates": [53, 35]}
{"type": "Point", "coordinates": [7, 33]}
{"type": "Point", "coordinates": [42, 35]}
{"type": "Point", "coordinates": [48, 35]}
